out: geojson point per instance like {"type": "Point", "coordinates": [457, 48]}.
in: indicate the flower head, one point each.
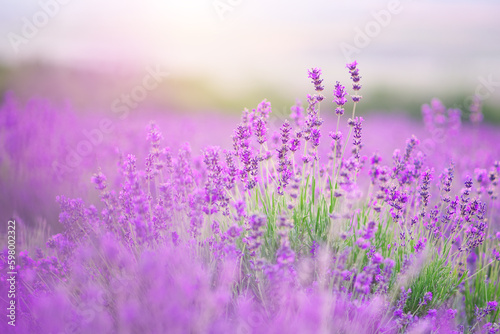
{"type": "Point", "coordinates": [496, 254]}
{"type": "Point", "coordinates": [339, 93]}
{"type": "Point", "coordinates": [426, 299]}
{"type": "Point", "coordinates": [420, 245]}
{"type": "Point", "coordinates": [354, 71]}
{"type": "Point", "coordinates": [100, 181]}
{"type": "Point", "coordinates": [314, 74]}
{"type": "Point", "coordinates": [352, 66]}
{"type": "Point", "coordinates": [297, 114]}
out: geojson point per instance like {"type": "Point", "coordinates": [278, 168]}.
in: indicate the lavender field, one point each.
{"type": "Point", "coordinates": [309, 222]}
{"type": "Point", "coordinates": [249, 167]}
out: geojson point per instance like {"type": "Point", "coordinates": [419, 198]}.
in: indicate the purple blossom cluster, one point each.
{"type": "Point", "coordinates": [355, 77]}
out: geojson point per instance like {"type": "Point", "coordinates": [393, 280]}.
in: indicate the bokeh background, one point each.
{"type": "Point", "coordinates": [227, 54]}
{"type": "Point", "coordinates": [64, 63]}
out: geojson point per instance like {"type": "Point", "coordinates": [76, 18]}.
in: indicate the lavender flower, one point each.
{"type": "Point", "coordinates": [285, 168]}
{"type": "Point", "coordinates": [100, 181]}
{"type": "Point", "coordinates": [340, 98]}
{"type": "Point", "coordinates": [315, 135]}
{"type": "Point", "coordinates": [419, 247]}
{"type": "Point", "coordinates": [215, 197]}
{"type": "Point", "coordinates": [297, 114]}
{"type": "Point", "coordinates": [231, 171]}
{"type": "Point", "coordinates": [357, 137]}
{"type": "Point", "coordinates": [424, 190]}
{"type": "Point", "coordinates": [254, 239]}
{"type": "Point", "coordinates": [446, 181]}
{"type": "Point", "coordinates": [377, 258]}
{"type": "Point", "coordinates": [260, 130]}
{"type": "Point", "coordinates": [264, 109]}
{"type": "Point", "coordinates": [354, 71]}
{"type": "Point", "coordinates": [405, 294]}
{"type": "Point", "coordinates": [336, 143]}
{"type": "Point", "coordinates": [294, 144]}
{"type": "Point", "coordinates": [431, 313]}
{"type": "Point", "coordinates": [154, 136]}
{"type": "Point", "coordinates": [491, 328]}
{"type": "Point", "coordinates": [496, 254]}
{"type": "Point", "coordinates": [426, 299]}
{"type": "Point", "coordinates": [481, 313]}
{"type": "Point", "coordinates": [314, 74]}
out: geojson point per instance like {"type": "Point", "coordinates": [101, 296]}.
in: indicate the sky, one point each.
{"type": "Point", "coordinates": [417, 45]}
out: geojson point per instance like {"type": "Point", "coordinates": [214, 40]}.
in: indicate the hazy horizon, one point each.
{"type": "Point", "coordinates": [439, 44]}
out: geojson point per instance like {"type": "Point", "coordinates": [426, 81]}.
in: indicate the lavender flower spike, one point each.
{"type": "Point", "coordinates": [354, 71]}
{"type": "Point", "coordinates": [314, 74]}
{"type": "Point", "coordinates": [340, 98]}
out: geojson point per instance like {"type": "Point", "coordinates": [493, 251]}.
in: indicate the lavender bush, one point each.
{"type": "Point", "coordinates": [310, 229]}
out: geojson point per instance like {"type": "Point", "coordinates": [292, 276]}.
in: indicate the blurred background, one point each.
{"type": "Point", "coordinates": [229, 54]}
{"type": "Point", "coordinates": [69, 66]}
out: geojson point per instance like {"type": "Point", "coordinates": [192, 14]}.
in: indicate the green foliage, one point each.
{"type": "Point", "coordinates": [438, 277]}
{"type": "Point", "coordinates": [482, 287]}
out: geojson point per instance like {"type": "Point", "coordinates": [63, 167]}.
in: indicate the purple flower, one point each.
{"type": "Point", "coordinates": [481, 313]}
{"type": "Point", "coordinates": [100, 181]}
{"type": "Point", "coordinates": [285, 256]}
{"type": "Point", "coordinates": [496, 254]}
{"type": "Point", "coordinates": [284, 168]}
{"type": "Point", "coordinates": [215, 196]}
{"type": "Point", "coordinates": [446, 181]}
{"type": "Point", "coordinates": [285, 132]}
{"type": "Point", "coordinates": [154, 136]}
{"type": "Point", "coordinates": [451, 313]}
{"type": "Point", "coordinates": [403, 297]}
{"type": "Point", "coordinates": [215, 227]}
{"type": "Point", "coordinates": [260, 130]}
{"type": "Point", "coordinates": [424, 190]}
{"type": "Point", "coordinates": [362, 243]}
{"type": "Point", "coordinates": [426, 299]}
{"type": "Point", "coordinates": [431, 313]}
{"type": "Point", "coordinates": [234, 231]}
{"type": "Point", "coordinates": [340, 99]}
{"type": "Point", "coordinates": [363, 281]}
{"type": "Point", "coordinates": [255, 232]}
{"type": "Point", "coordinates": [389, 263]}
{"type": "Point", "coordinates": [297, 114]}
{"type": "Point", "coordinates": [315, 135]}
{"type": "Point", "coordinates": [294, 144]}
{"type": "Point", "coordinates": [314, 248]}
{"type": "Point", "coordinates": [264, 109]}
{"type": "Point", "coordinates": [370, 230]}
{"type": "Point", "coordinates": [346, 275]}
{"type": "Point", "coordinates": [352, 66]}
{"type": "Point", "coordinates": [336, 144]}
{"type": "Point", "coordinates": [354, 71]}
{"type": "Point", "coordinates": [377, 258]}
{"type": "Point", "coordinates": [491, 328]}
{"type": "Point", "coordinates": [240, 210]}
{"type": "Point", "coordinates": [314, 74]}
{"type": "Point", "coordinates": [231, 171]}
{"type": "Point", "coordinates": [420, 245]}
{"type": "Point", "coordinates": [357, 136]}
{"type": "Point", "coordinates": [491, 306]}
